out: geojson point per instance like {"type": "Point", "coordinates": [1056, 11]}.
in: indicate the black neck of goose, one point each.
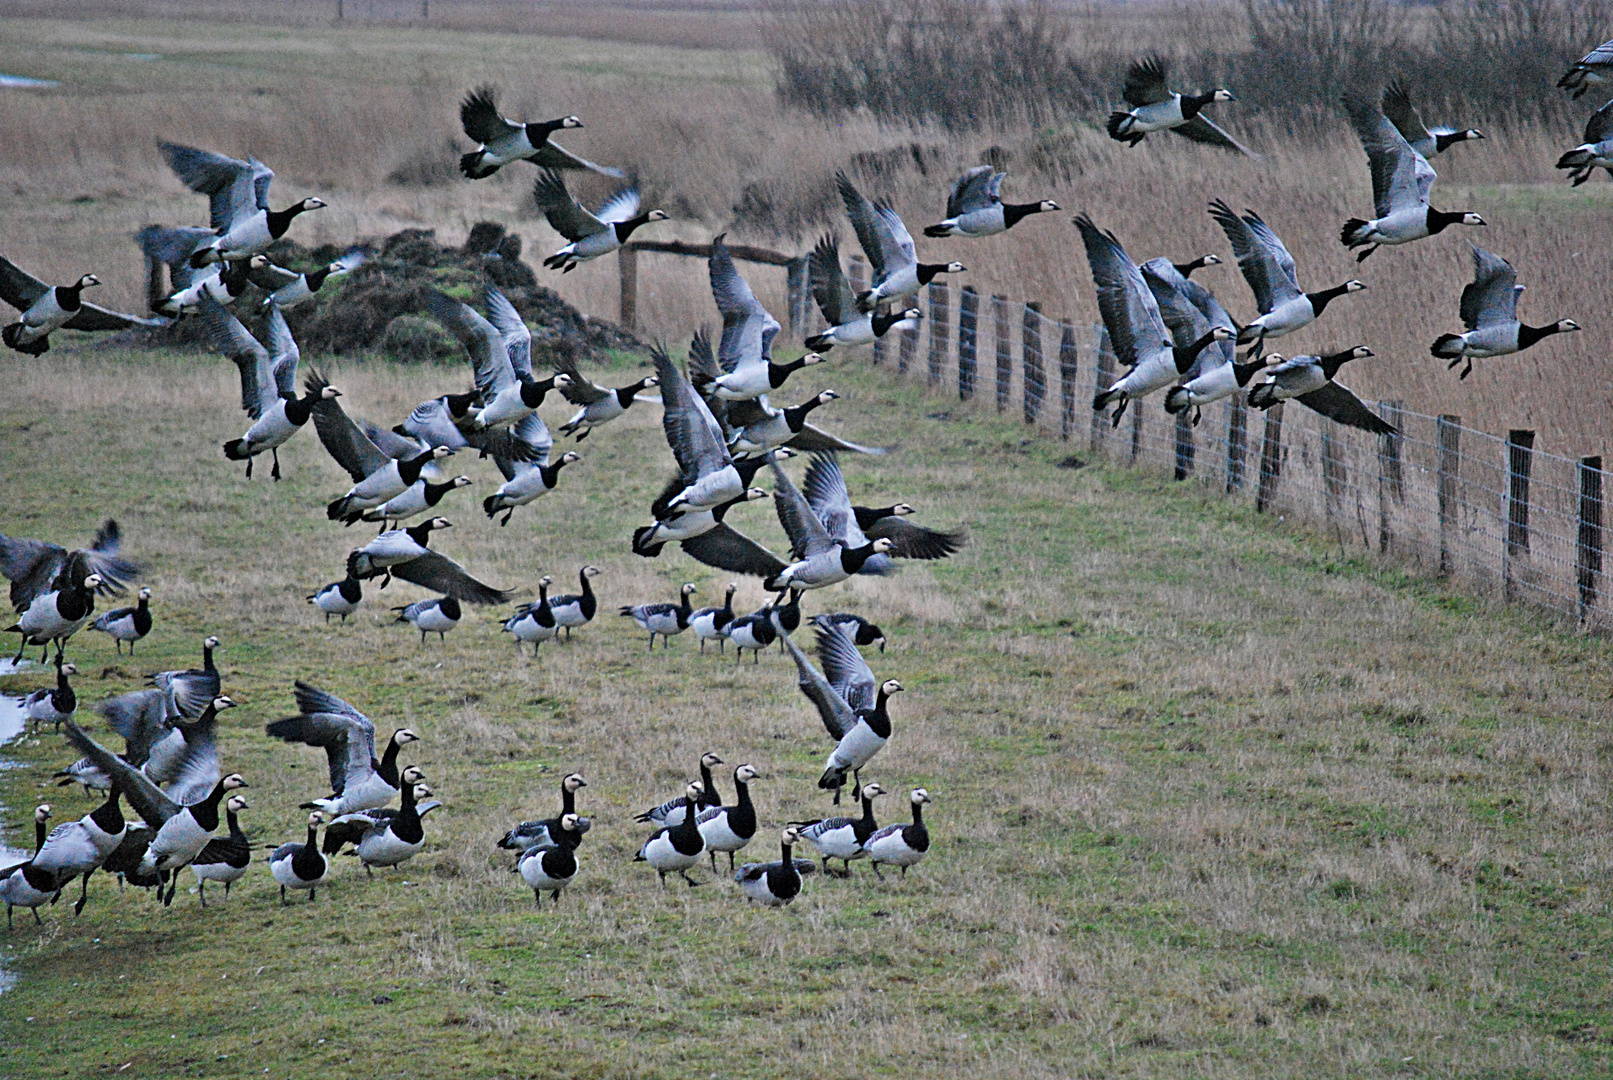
{"type": "Point", "coordinates": [878, 718]}
{"type": "Point", "coordinates": [435, 492]}
{"type": "Point", "coordinates": [316, 278]}
{"type": "Point", "coordinates": [927, 271]}
{"type": "Point", "coordinates": [61, 678]}
{"type": "Point", "coordinates": [108, 817]}
{"type": "Point", "coordinates": [538, 131]}
{"type": "Point", "coordinates": [1320, 300]}
{"type": "Point", "coordinates": [533, 391]}
{"type": "Point", "coordinates": [406, 826]}
{"type": "Point", "coordinates": [568, 800]}
{"type": "Point", "coordinates": [76, 601]}
{"type": "Point", "coordinates": [796, 415]}
{"type": "Point", "coordinates": [624, 229]}
{"type": "Point", "coordinates": [306, 861]}
{"type": "Point", "coordinates": [70, 297]}
{"type": "Point", "coordinates": [1438, 220]}
{"type": "Point", "coordinates": [41, 830]}
{"type": "Point", "coordinates": [688, 828]}
{"type": "Point", "coordinates": [718, 511]}
{"type": "Point", "coordinates": [625, 395]}
{"type": "Point", "coordinates": [868, 811]}
{"type": "Point", "coordinates": [1192, 103]}
{"type": "Point", "coordinates": [852, 559]}
{"type": "Point", "coordinates": [235, 825]}
{"type": "Point", "coordinates": [1244, 372]}
{"type": "Point", "coordinates": [299, 409]}
{"type": "Point", "coordinates": [867, 515]}
{"type": "Point", "coordinates": [449, 606]}
{"type": "Point", "coordinates": [409, 469]}
{"type": "Point", "coordinates": [459, 405]}
{"type": "Point", "coordinates": [1528, 335]}
{"type": "Point", "coordinates": [205, 813]}
{"type": "Point", "coordinates": [543, 597]}
{"type": "Point", "coordinates": [883, 321]}
{"type": "Point", "coordinates": [207, 659]}
{"type": "Point", "coordinates": [708, 792]}
{"type": "Point", "coordinates": [280, 220]}
{"type": "Point", "coordinates": [387, 767]}
{"type": "Point", "coordinates": [918, 813]}
{"type": "Point", "coordinates": [728, 603]}
{"type": "Point", "coordinates": [351, 589]}
{"type": "Point", "coordinates": [585, 585]}
{"type": "Point", "coordinates": [784, 856]}
{"type": "Point", "coordinates": [551, 472]}
{"type": "Point", "coordinates": [420, 534]}
{"type": "Point", "coordinates": [1185, 357]}
{"type": "Point", "coordinates": [777, 373]}
{"type": "Point", "coordinates": [688, 609]}
{"type": "Point", "coordinates": [144, 602]}
{"type": "Point", "coordinates": [1015, 212]}
{"type": "Point", "coordinates": [1331, 363]}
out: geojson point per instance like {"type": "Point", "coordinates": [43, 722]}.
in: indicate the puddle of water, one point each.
{"type": "Point", "coordinates": [23, 82]}
{"type": "Point", "coordinates": [9, 667]}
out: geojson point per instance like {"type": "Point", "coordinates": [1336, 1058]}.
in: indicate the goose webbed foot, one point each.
{"type": "Point", "coordinates": [1467, 370]}
{"type": "Point", "coordinates": [274, 473]}
{"type": "Point", "coordinates": [875, 867]}
{"type": "Point", "coordinates": [1198, 414]}
{"type": "Point", "coordinates": [684, 874]}
{"type": "Point", "coordinates": [1363, 256]}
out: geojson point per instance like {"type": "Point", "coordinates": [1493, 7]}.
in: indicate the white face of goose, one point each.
{"type": "Point", "coordinates": [87, 280]}
{"type": "Point", "coordinates": [757, 493]}
{"type": "Point", "coordinates": [590, 571]}
{"type": "Point", "coordinates": [440, 523]}
{"type": "Point", "coordinates": [694, 790]}
{"type": "Point", "coordinates": [567, 458]}
{"type": "Point", "coordinates": [573, 782]}
{"type": "Point", "coordinates": [883, 544]}
{"type": "Point", "coordinates": [422, 793]}
{"type": "Point", "coordinates": [1470, 218]}
{"type": "Point", "coordinates": [920, 796]}
{"type": "Point", "coordinates": [223, 702]}
{"type": "Point", "coordinates": [901, 510]}
{"type": "Point", "coordinates": [710, 761]}
{"type": "Point", "coordinates": [1222, 95]}
{"type": "Point", "coordinates": [69, 669]}
{"type": "Point", "coordinates": [461, 481]}
{"type": "Point", "coordinates": [93, 581]}
{"type": "Point", "coordinates": [236, 804]}
{"type": "Point", "coordinates": [657, 215]}
{"type": "Point", "coordinates": [1047, 205]}
{"type": "Point", "coordinates": [956, 268]}
{"type": "Point", "coordinates": [745, 774]}
{"type": "Point", "coordinates": [258, 262]}
{"type": "Point", "coordinates": [233, 781]}
{"type": "Point", "coordinates": [783, 453]}
{"type": "Point", "coordinates": [1361, 352]}
{"type": "Point", "coordinates": [42, 813]}
{"type": "Point", "coordinates": [145, 590]}
{"type": "Point", "coordinates": [562, 380]}
{"type": "Point", "coordinates": [1353, 286]}
{"type": "Point", "coordinates": [210, 643]}
{"type": "Point", "coordinates": [571, 122]}
{"type": "Point", "coordinates": [440, 452]}
{"type": "Point", "coordinates": [1221, 333]}
{"type": "Point", "coordinates": [688, 589]}
{"type": "Point", "coordinates": [330, 393]}
{"type": "Point", "coordinates": [404, 735]}
{"type": "Point", "coordinates": [790, 835]}
{"type": "Point", "coordinates": [826, 397]}
{"type": "Point", "coordinates": [568, 822]}
{"type": "Point", "coordinates": [891, 686]}
{"type": "Point", "coordinates": [1211, 260]}
{"type": "Point", "coordinates": [1567, 326]}
{"type": "Point", "coordinates": [872, 791]}
{"type": "Point", "coordinates": [811, 358]}
{"type": "Point", "coordinates": [546, 580]}
{"type": "Point", "coordinates": [312, 204]}
{"type": "Point", "coordinates": [315, 820]}
{"type": "Point", "coordinates": [413, 775]}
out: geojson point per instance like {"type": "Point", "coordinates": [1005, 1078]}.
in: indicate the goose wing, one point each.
{"type": "Point", "coordinates": [813, 439]}
{"type": "Point", "coordinates": [395, 445]}
{"type": "Point", "coordinates": [235, 189]}
{"type": "Point", "coordinates": [342, 438]}
{"type": "Point", "coordinates": [1128, 308]}
{"type": "Point", "coordinates": [1145, 82]}
{"type": "Point", "coordinates": [439, 573]}
{"type": "Point", "coordinates": [725, 548]}
{"type": "Point", "coordinates": [580, 391]}
{"type": "Point", "coordinates": [829, 285]}
{"type": "Point", "coordinates": [691, 430]}
{"type": "Point", "coordinates": [703, 371]}
{"type": "Point", "coordinates": [513, 329]}
{"type": "Point", "coordinates": [94, 318]}
{"type": "Point", "coordinates": [489, 358]}
{"type": "Point", "coordinates": [481, 120]}
{"type": "Point", "coordinates": [346, 735]}
{"type": "Point", "coordinates": [832, 708]}
{"type": "Point", "coordinates": [807, 535]}
{"type": "Point", "coordinates": [32, 566]}
{"type": "Point", "coordinates": [1201, 129]}
{"type": "Point", "coordinates": [1187, 310]}
{"type": "Point", "coordinates": [1491, 298]}
{"type": "Point", "coordinates": [528, 441]}
{"type": "Point", "coordinates": [550, 156]}
{"type": "Point", "coordinates": [147, 798]}
{"type": "Point", "coordinates": [884, 239]}
{"type": "Point", "coordinates": [1337, 403]}
{"type": "Point", "coordinates": [915, 541]}
{"type": "Point", "coordinates": [974, 190]}
{"type": "Point", "coordinates": [18, 287]}
{"type": "Point", "coordinates": [1397, 106]}
{"type": "Point", "coordinates": [258, 388]}
{"type": "Point", "coordinates": [283, 351]}
{"type": "Point", "coordinates": [620, 206]}
{"type": "Point", "coordinates": [138, 717]}
{"type": "Point", "coordinates": [1600, 125]}
{"type": "Point", "coordinates": [197, 770]}
{"type": "Point", "coordinates": [825, 489]}
{"type": "Point", "coordinates": [1264, 261]}
{"type": "Point", "coordinates": [845, 668]}
{"type": "Point", "coordinates": [565, 214]}
{"type": "Point", "coordinates": [1401, 177]}
{"type": "Point", "coordinates": [747, 328]}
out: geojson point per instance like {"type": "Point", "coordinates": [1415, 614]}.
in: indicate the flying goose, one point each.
{"type": "Point", "coordinates": [825, 489]}
{"type": "Point", "coordinates": [1136, 328]}
{"type": "Point", "coordinates": [672, 811]}
{"type": "Point", "coordinates": [53, 704]}
{"type": "Point", "coordinates": [1190, 311]}
{"type": "Point", "coordinates": [551, 869]}
{"type": "Point", "coordinates": [888, 246]}
{"type": "Point", "coordinates": [268, 383]}
{"type": "Point", "coordinates": [730, 828]}
{"type": "Point", "coordinates": [1401, 182]}
{"type": "Point", "coordinates": [848, 325]}
{"type": "Point", "coordinates": [301, 866]}
{"type": "Point", "coordinates": [1593, 69]}
{"type": "Point", "coordinates": [437, 616]}
{"type": "Point", "coordinates": [843, 837]}
{"type": "Point", "coordinates": [663, 618]}
{"type": "Point", "coordinates": [1397, 106]}
{"type": "Point", "coordinates": [527, 481]}
{"type": "Point", "coordinates": [591, 234]}
{"type": "Point", "coordinates": [775, 884]}
{"type": "Point", "coordinates": [47, 308]}
{"type": "Point", "coordinates": [57, 615]}
{"type": "Point", "coordinates": [183, 760]}
{"type": "Point", "coordinates": [707, 474]}
{"type": "Point", "coordinates": [821, 558]}
{"type": "Point", "coordinates": [863, 632]}
{"type": "Point", "coordinates": [1156, 107]}
{"type": "Point", "coordinates": [500, 349]}
{"type": "Point", "coordinates": [703, 533]}
{"type": "Point", "coordinates": [503, 141]}
{"type": "Point", "coordinates": [1597, 149]}
{"type": "Point", "coordinates": [188, 693]}
{"type": "Point", "coordinates": [26, 885]}
{"type": "Point", "coordinates": [34, 567]}
{"type": "Point", "coordinates": [357, 780]}
{"type": "Point", "coordinates": [78, 848]}
{"type": "Point", "coordinates": [755, 632]}
{"type": "Point", "coordinates": [1309, 379]}
{"type": "Point", "coordinates": [403, 553]}
{"type": "Point", "coordinates": [225, 858]}
{"type": "Point", "coordinates": [534, 622]}
{"type": "Point", "coordinates": [677, 847]}
{"type": "Point", "coordinates": [142, 718]}
{"type": "Point", "coordinates": [711, 623]}
{"type": "Point", "coordinates": [596, 404]}
{"type": "Point", "coordinates": [127, 623]}
{"type": "Point", "coordinates": [760, 427]}
{"type": "Point", "coordinates": [288, 288]}
{"type": "Point", "coordinates": [576, 609]}
{"type": "Point", "coordinates": [338, 598]}
{"type": "Point", "coordinates": [901, 845]}
{"type": "Point", "coordinates": [417, 499]}
{"type": "Point", "coordinates": [1186, 269]}
{"type": "Point", "coordinates": [1490, 313]}
{"type": "Point", "coordinates": [1269, 270]}
{"type": "Point", "coordinates": [545, 832]}
{"type": "Point", "coordinates": [975, 206]}
{"type": "Point", "coordinates": [183, 292]}
{"type": "Point", "coordinates": [238, 198]}
{"type": "Point", "coordinates": [745, 351]}
{"type": "Point", "coordinates": [384, 837]}
{"type": "Point", "coordinates": [391, 478]}
{"type": "Point", "coordinates": [853, 711]}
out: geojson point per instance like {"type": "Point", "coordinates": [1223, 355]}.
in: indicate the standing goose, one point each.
{"type": "Point", "coordinates": [26, 885]}
{"type": "Point", "coordinates": [755, 632]}
{"type": "Point", "coordinates": [503, 141]}
{"type": "Point", "coordinates": [671, 812]}
{"type": "Point", "coordinates": [53, 704]}
{"type": "Point", "coordinates": [901, 845]}
{"type": "Point", "coordinates": [785, 616]}
{"type": "Point", "coordinates": [888, 246]}
{"type": "Point", "coordinates": [357, 780]}
{"type": "Point", "coordinates": [577, 609]}
{"type": "Point", "coordinates": [534, 622]}
{"type": "Point", "coordinates": [1596, 152]}
{"type": "Point", "coordinates": [591, 234]}
{"type": "Point", "coordinates": [848, 325]}
{"type": "Point", "coordinates": [436, 616]}
{"type": "Point", "coordinates": [127, 623]}
{"type": "Point", "coordinates": [48, 308]}
{"type": "Point", "coordinates": [663, 618]}
{"type": "Point", "coordinates": [551, 869]}
{"type": "Point", "coordinates": [730, 828]}
{"type": "Point", "coordinates": [975, 206]}
{"type": "Point", "coordinates": [420, 497]}
{"type": "Point", "coordinates": [1401, 182]}
{"type": "Point", "coordinates": [268, 383]}
{"type": "Point", "coordinates": [545, 832]}
{"type": "Point", "coordinates": [301, 866]}
{"type": "Point", "coordinates": [745, 351]}
{"type": "Point", "coordinates": [678, 847]}
{"type": "Point", "coordinates": [1397, 106]}
{"type": "Point", "coordinates": [225, 858]}
{"type": "Point", "coordinates": [774, 884]}
{"type": "Point", "coordinates": [527, 481]}
{"type": "Point", "coordinates": [384, 837]}
{"type": "Point", "coordinates": [1490, 313]}
{"type": "Point", "coordinates": [59, 614]}
{"type": "Point", "coordinates": [843, 837]}
{"type": "Point", "coordinates": [1269, 270]}
{"type": "Point", "coordinates": [707, 476]}
{"type": "Point", "coordinates": [1190, 311]}
{"type": "Point", "coordinates": [238, 198]}
{"type": "Point", "coordinates": [853, 712]}
{"type": "Point", "coordinates": [288, 288]}
{"type": "Point", "coordinates": [1309, 380]}
{"type": "Point", "coordinates": [1136, 329]}
{"type": "Point", "coordinates": [339, 598]}
{"type": "Point", "coordinates": [863, 632]}
{"type": "Point", "coordinates": [1156, 107]}
{"type": "Point", "coordinates": [824, 486]}
{"type": "Point", "coordinates": [1593, 69]}
{"type": "Point", "coordinates": [711, 623]}
{"type": "Point", "coordinates": [403, 553]}
{"type": "Point", "coordinates": [78, 848]}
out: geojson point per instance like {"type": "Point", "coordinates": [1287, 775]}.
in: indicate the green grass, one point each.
{"type": "Point", "coordinates": [1210, 800]}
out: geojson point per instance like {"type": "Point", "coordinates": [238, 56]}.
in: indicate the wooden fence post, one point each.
{"type": "Point", "coordinates": [1391, 475]}
{"type": "Point", "coordinates": [1237, 441]}
{"type": "Point", "coordinates": [907, 347]}
{"type": "Point", "coordinates": [1069, 360]}
{"type": "Point", "coordinates": [1520, 462]}
{"type": "Point", "coordinates": [940, 330]}
{"type": "Point", "coordinates": [968, 319]}
{"type": "Point", "coordinates": [1034, 386]}
{"type": "Point", "coordinates": [1335, 473]}
{"type": "Point", "coordinates": [1005, 351]}
{"type": "Point", "coordinates": [1136, 430]}
{"type": "Point", "coordinates": [627, 267]}
{"type": "Point", "coordinates": [881, 347]}
{"type": "Point", "coordinates": [1271, 458]}
{"type": "Point", "coordinates": [1450, 458]}
{"type": "Point", "coordinates": [1105, 374]}
{"type": "Point", "coordinates": [1184, 446]}
{"type": "Point", "coordinates": [798, 285]}
{"type": "Point", "coordinates": [1590, 532]}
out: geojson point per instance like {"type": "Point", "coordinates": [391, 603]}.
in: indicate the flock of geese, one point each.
{"type": "Point", "coordinates": [723, 432]}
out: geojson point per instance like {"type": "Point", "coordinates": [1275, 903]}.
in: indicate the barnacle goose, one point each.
{"type": "Point", "coordinates": [1490, 313]}
{"type": "Point", "coordinates": [127, 623]}
{"type": "Point", "coordinates": [843, 837]}
{"type": "Point", "coordinates": [34, 566]}
{"type": "Point", "coordinates": [384, 837]}
{"type": "Point", "coordinates": [47, 308]}
{"type": "Point", "coordinates": [824, 486]}
{"type": "Point", "coordinates": [576, 609]}
{"type": "Point", "coordinates": [707, 477]}
{"type": "Point", "coordinates": [551, 869]}
{"type": "Point", "coordinates": [301, 866]}
{"type": "Point", "coordinates": [711, 623]}
{"type": "Point", "coordinates": [26, 885]}
{"type": "Point", "coordinates": [436, 616]}
{"type": "Point", "coordinates": [785, 617]}
{"type": "Point", "coordinates": [678, 847]}
{"type": "Point", "coordinates": [853, 712]}
{"type": "Point", "coordinates": [863, 632]}
{"type": "Point", "coordinates": [420, 497]}
{"type": "Point", "coordinates": [1156, 107]}
{"type": "Point", "coordinates": [1596, 152]}
{"type": "Point", "coordinates": [671, 812]}
{"type": "Point", "coordinates": [975, 206]}
{"type": "Point", "coordinates": [57, 615]}
{"type": "Point", "coordinates": [745, 351]}
{"type": "Point", "coordinates": [755, 632]}
{"type": "Point", "coordinates": [888, 246]}
{"type": "Point", "coordinates": [596, 404]}
{"type": "Point", "coordinates": [339, 598]}
{"type": "Point", "coordinates": [224, 282]}
{"type": "Point", "coordinates": [1593, 69]}
{"type": "Point", "coordinates": [901, 845]}
{"type": "Point", "coordinates": [403, 553]}
{"type": "Point", "coordinates": [225, 858]}
{"type": "Point", "coordinates": [1309, 380]}
{"type": "Point", "coordinates": [1397, 106]}
{"type": "Point", "coordinates": [591, 234]}
{"type": "Point", "coordinates": [78, 848]}
{"type": "Point", "coordinates": [391, 479]}
{"type": "Point", "coordinates": [287, 288]}
{"type": "Point", "coordinates": [357, 780]}
{"type": "Point", "coordinates": [848, 325]}
{"type": "Point", "coordinates": [53, 704]}
{"type": "Point", "coordinates": [188, 693]}
{"type": "Point", "coordinates": [663, 618]}
{"type": "Point", "coordinates": [730, 828]}
{"type": "Point", "coordinates": [238, 197]}
{"type": "Point", "coordinates": [1190, 310]}
{"type": "Point", "coordinates": [543, 833]}
{"type": "Point", "coordinates": [534, 622]}
{"type": "Point", "coordinates": [268, 383]}
{"type": "Point", "coordinates": [775, 884]}
{"type": "Point", "coordinates": [503, 141]}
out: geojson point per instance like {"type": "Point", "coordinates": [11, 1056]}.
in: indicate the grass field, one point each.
{"type": "Point", "coordinates": [1208, 800]}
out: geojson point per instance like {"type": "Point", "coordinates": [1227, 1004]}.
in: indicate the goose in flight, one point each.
{"type": "Point", "coordinates": [889, 249]}
{"type": "Point", "coordinates": [1593, 69]}
{"type": "Point", "coordinates": [1309, 380]}
{"type": "Point", "coordinates": [1490, 313]}
{"type": "Point", "coordinates": [33, 566]}
{"type": "Point", "coordinates": [238, 201]}
{"type": "Point", "coordinates": [850, 704]}
{"type": "Point", "coordinates": [824, 487]}
{"type": "Point", "coordinates": [1596, 152]}
{"type": "Point", "coordinates": [503, 141]}
{"type": "Point", "coordinates": [1156, 107]}
{"type": "Point", "coordinates": [1397, 106]}
{"type": "Point", "coordinates": [1190, 310]}
{"type": "Point", "coordinates": [975, 206]}
{"type": "Point", "coordinates": [405, 553]}
{"type": "Point", "coordinates": [48, 308]}
{"type": "Point", "coordinates": [848, 325]}
{"type": "Point", "coordinates": [745, 351]}
{"type": "Point", "coordinates": [591, 234]}
{"type": "Point", "coordinates": [358, 781]}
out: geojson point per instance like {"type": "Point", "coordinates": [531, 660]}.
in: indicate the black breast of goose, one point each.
{"type": "Point", "coordinates": [786, 618]}
{"type": "Point", "coordinates": [711, 624]}
{"type": "Point", "coordinates": [301, 866]}
{"type": "Point", "coordinates": [550, 870]}
{"type": "Point", "coordinates": [679, 847]}
{"type": "Point", "coordinates": [53, 704]}
{"type": "Point", "coordinates": [576, 609]}
{"type": "Point", "coordinates": [730, 828]}
{"type": "Point", "coordinates": [775, 883]}
{"type": "Point", "coordinates": [754, 632]}
{"type": "Point", "coordinates": [339, 598]}
{"type": "Point", "coordinates": [901, 845]}
{"type": "Point", "coordinates": [225, 858]}
{"type": "Point", "coordinates": [398, 838]}
{"type": "Point", "coordinates": [432, 616]}
{"type": "Point", "coordinates": [128, 623]}
{"type": "Point", "coordinates": [544, 832]}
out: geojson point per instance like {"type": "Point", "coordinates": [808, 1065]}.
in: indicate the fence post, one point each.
{"type": "Point", "coordinates": [1450, 457]}
{"type": "Point", "coordinates": [627, 267]}
{"type": "Point", "coordinates": [798, 284]}
{"type": "Point", "coordinates": [1335, 473]}
{"type": "Point", "coordinates": [1590, 532]}
{"type": "Point", "coordinates": [1105, 375]}
{"type": "Point", "coordinates": [1271, 458]}
{"type": "Point", "coordinates": [1520, 461]}
{"type": "Point", "coordinates": [1034, 378]}
{"type": "Point", "coordinates": [1005, 351]}
{"type": "Point", "coordinates": [968, 319]}
{"type": "Point", "coordinates": [940, 329]}
{"type": "Point", "coordinates": [1184, 446]}
{"type": "Point", "coordinates": [881, 347]}
{"type": "Point", "coordinates": [857, 274]}
{"type": "Point", "coordinates": [1237, 441]}
{"type": "Point", "coordinates": [907, 347]}
{"type": "Point", "coordinates": [1069, 359]}
{"type": "Point", "coordinates": [1136, 430]}
{"type": "Point", "coordinates": [1391, 476]}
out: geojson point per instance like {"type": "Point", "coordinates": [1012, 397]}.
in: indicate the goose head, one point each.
{"type": "Point", "coordinates": [87, 280]}
{"type": "Point", "coordinates": [145, 592]}
{"type": "Point", "coordinates": [783, 453]}
{"type": "Point", "coordinates": [790, 835]}
{"type": "Point", "coordinates": [233, 781]}
{"type": "Point", "coordinates": [211, 642]}
{"type": "Point", "coordinates": [570, 822]}
{"type": "Point", "coordinates": [709, 760]}
{"type": "Point", "coordinates": [1222, 333]}
{"type": "Point", "coordinates": [222, 702]}
{"type": "Point", "coordinates": [1221, 94]}
{"type": "Point", "coordinates": [315, 820]}
{"type": "Point", "coordinates": [546, 580]}
{"type": "Point", "coordinates": [438, 523]}
{"type": "Point", "coordinates": [329, 393]}
{"type": "Point", "coordinates": [746, 773]}
{"type": "Point", "coordinates": [258, 262]}
{"type": "Point", "coordinates": [883, 544]}
{"type": "Point", "coordinates": [872, 790]}
{"type": "Point", "coordinates": [413, 775]}
{"type": "Point", "coordinates": [590, 571]}
{"type": "Point", "coordinates": [891, 686]}
{"type": "Point", "coordinates": [656, 215]}
{"type": "Point", "coordinates": [41, 813]}
{"type": "Point", "coordinates": [1353, 286]}
{"type": "Point", "coordinates": [811, 358]}
{"type": "Point", "coordinates": [461, 481]}
{"type": "Point", "coordinates": [753, 494]}
{"type": "Point", "coordinates": [562, 379]}
{"type": "Point", "coordinates": [1567, 326]}
{"type": "Point", "coordinates": [571, 122]}
{"type": "Point", "coordinates": [236, 804]}
{"type": "Point", "coordinates": [1361, 352]}
{"type": "Point", "coordinates": [919, 796]}
{"type": "Point", "coordinates": [901, 510]}
{"type": "Point", "coordinates": [69, 669]}
{"type": "Point", "coordinates": [688, 589]}
{"type": "Point", "coordinates": [694, 790]}
{"type": "Point", "coordinates": [404, 735]}
{"type": "Point", "coordinates": [1470, 218]}
{"type": "Point", "coordinates": [567, 458]}
{"type": "Point", "coordinates": [311, 204]}
{"type": "Point", "coordinates": [955, 268]}
{"type": "Point", "coordinates": [1047, 205]}
{"type": "Point", "coordinates": [573, 781]}
{"type": "Point", "coordinates": [1472, 133]}
{"type": "Point", "coordinates": [422, 793]}
{"type": "Point", "coordinates": [93, 581]}
{"type": "Point", "coordinates": [440, 452]}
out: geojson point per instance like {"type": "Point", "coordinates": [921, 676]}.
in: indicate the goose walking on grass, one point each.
{"type": "Point", "coordinates": [785, 615]}
{"type": "Point", "coordinates": [671, 812]}
{"type": "Point", "coordinates": [78, 848]}
{"type": "Point", "coordinates": [127, 623]}
{"type": "Point", "coordinates": [403, 553]}
{"type": "Point", "coordinates": [384, 837]}
{"type": "Point", "coordinates": [975, 206]}
{"type": "Point", "coordinates": [534, 622]}
{"type": "Point", "coordinates": [357, 780]}
{"type": "Point", "coordinates": [1397, 106]}
{"type": "Point", "coordinates": [576, 609]}
{"type": "Point", "coordinates": [853, 711]}
{"type": "Point", "coordinates": [436, 616]}
{"type": "Point", "coordinates": [901, 845]}
{"type": "Point", "coordinates": [775, 884]}
{"type": "Point", "coordinates": [1596, 152]}
{"type": "Point", "coordinates": [755, 632]}
{"type": "Point", "coordinates": [1592, 69]}
{"type": "Point", "coordinates": [848, 325]}
{"type": "Point", "coordinates": [338, 598]}
{"type": "Point", "coordinates": [288, 288]}
{"type": "Point", "coordinates": [225, 859]}
{"type": "Point", "coordinates": [888, 246]}
{"type": "Point", "coordinates": [1402, 180]}
{"type": "Point", "coordinates": [824, 487]}
{"type": "Point", "coordinates": [711, 623]}
{"type": "Point", "coordinates": [301, 866]}
{"type": "Point", "coordinates": [48, 308]}
{"type": "Point", "coordinates": [676, 848]}
{"type": "Point", "coordinates": [1490, 313]}
{"type": "Point", "coordinates": [730, 828]}
{"type": "Point", "coordinates": [551, 869]}
{"type": "Point", "coordinates": [57, 615]}
{"type": "Point", "coordinates": [268, 383]}
{"type": "Point", "coordinates": [1309, 380]}
{"type": "Point", "coordinates": [591, 234]}
{"type": "Point", "coordinates": [545, 832]}
{"type": "Point", "coordinates": [238, 199]}
{"type": "Point", "coordinates": [863, 632]}
{"type": "Point", "coordinates": [843, 837]}
{"type": "Point", "coordinates": [503, 141]}
{"type": "Point", "coordinates": [53, 704]}
{"type": "Point", "coordinates": [1136, 328]}
{"type": "Point", "coordinates": [26, 885]}
{"type": "Point", "coordinates": [1269, 269]}
{"type": "Point", "coordinates": [663, 618]}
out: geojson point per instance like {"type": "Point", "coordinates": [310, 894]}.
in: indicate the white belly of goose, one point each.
{"type": "Point", "coordinates": [717, 834]}
{"type": "Point", "coordinates": [659, 853]}
{"type": "Point", "coordinates": [220, 871]}
{"type": "Point", "coordinates": [179, 841]}
{"type": "Point", "coordinates": [839, 842]}
{"type": "Point", "coordinates": [856, 749]}
{"type": "Point", "coordinates": [889, 845]}
{"type": "Point", "coordinates": [384, 848]}
{"type": "Point", "coordinates": [527, 628]}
